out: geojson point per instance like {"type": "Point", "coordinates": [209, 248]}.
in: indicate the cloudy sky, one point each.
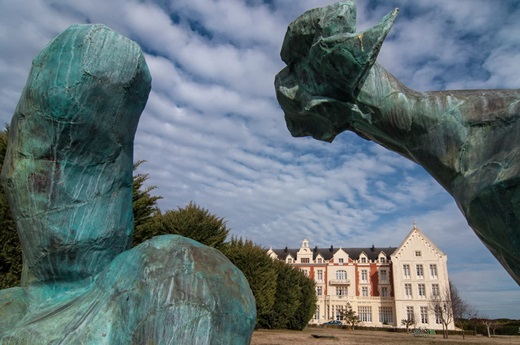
{"type": "Point", "coordinates": [213, 133]}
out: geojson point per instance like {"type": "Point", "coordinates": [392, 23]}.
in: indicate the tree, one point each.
{"type": "Point", "coordinates": [487, 322]}
{"type": "Point", "coordinates": [259, 270]}
{"type": "Point", "coordinates": [144, 205]}
{"type": "Point", "coordinates": [191, 221]}
{"type": "Point", "coordinates": [10, 248]}
{"type": "Point", "coordinates": [307, 302]}
{"type": "Point", "coordinates": [286, 298]}
{"type": "Point", "coordinates": [474, 317]}
{"type": "Point", "coordinates": [349, 315]}
{"type": "Point", "coordinates": [442, 307]}
{"type": "Point", "coordinates": [408, 322]}
{"type": "Point", "coordinates": [458, 304]}
{"type": "Point", "coordinates": [496, 324]}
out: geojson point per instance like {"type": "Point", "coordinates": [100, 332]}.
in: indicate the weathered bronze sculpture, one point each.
{"type": "Point", "coordinates": [68, 179]}
{"type": "Point", "coordinates": [469, 141]}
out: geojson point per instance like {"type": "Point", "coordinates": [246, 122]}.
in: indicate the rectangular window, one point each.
{"type": "Point", "coordinates": [306, 272]}
{"type": "Point", "coordinates": [419, 270]}
{"type": "Point", "coordinates": [340, 260]}
{"type": "Point", "coordinates": [382, 259]}
{"type": "Point", "coordinates": [433, 271]}
{"type": "Point", "coordinates": [319, 275]}
{"type": "Point", "coordinates": [305, 260]}
{"type": "Point", "coordinates": [410, 314]}
{"type": "Point", "coordinates": [438, 315]}
{"type": "Point", "coordinates": [320, 260]}
{"type": "Point", "coordinates": [364, 275]}
{"type": "Point", "coordinates": [364, 291]}
{"type": "Point", "coordinates": [383, 275]}
{"type": "Point", "coordinates": [384, 291]}
{"type": "Point", "coordinates": [422, 291]}
{"type": "Point", "coordinates": [435, 290]}
{"type": "Point", "coordinates": [341, 275]}
{"type": "Point", "coordinates": [341, 290]}
{"type": "Point", "coordinates": [317, 312]}
{"type": "Point", "coordinates": [339, 312]}
{"type": "Point", "coordinates": [424, 314]}
{"type": "Point", "coordinates": [289, 260]}
{"type": "Point", "coordinates": [408, 291]}
{"type": "Point", "coordinates": [386, 315]}
{"type": "Point", "coordinates": [417, 253]}
{"type": "Point", "coordinates": [365, 314]}
{"type": "Point", "coordinates": [406, 271]}
{"type": "Point", "coordinates": [319, 290]}
{"type": "Point", "coordinates": [363, 260]}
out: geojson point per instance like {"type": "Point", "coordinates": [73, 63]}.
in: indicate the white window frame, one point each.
{"type": "Point", "coordinates": [406, 271]}
{"type": "Point", "coordinates": [408, 291]}
{"type": "Point", "coordinates": [419, 270]}
{"type": "Point", "coordinates": [341, 275]}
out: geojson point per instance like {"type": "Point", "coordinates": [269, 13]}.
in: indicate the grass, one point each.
{"type": "Point", "coordinates": [358, 337]}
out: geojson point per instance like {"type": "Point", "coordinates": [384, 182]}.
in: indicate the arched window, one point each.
{"type": "Point", "coordinates": [341, 275]}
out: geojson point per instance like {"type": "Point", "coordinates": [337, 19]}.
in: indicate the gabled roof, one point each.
{"type": "Point", "coordinates": [283, 253]}
{"type": "Point", "coordinates": [327, 253]}
{"type": "Point", "coordinates": [416, 230]}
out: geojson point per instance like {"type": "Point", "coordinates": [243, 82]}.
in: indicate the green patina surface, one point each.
{"type": "Point", "coordinates": [467, 140]}
{"type": "Point", "coordinates": [68, 179]}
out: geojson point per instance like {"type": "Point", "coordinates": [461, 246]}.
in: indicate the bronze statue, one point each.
{"type": "Point", "coordinates": [468, 140]}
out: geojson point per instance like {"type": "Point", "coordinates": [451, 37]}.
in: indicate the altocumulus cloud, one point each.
{"type": "Point", "coordinates": [212, 131]}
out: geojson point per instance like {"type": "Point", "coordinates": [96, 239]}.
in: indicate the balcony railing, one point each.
{"type": "Point", "coordinates": [339, 282]}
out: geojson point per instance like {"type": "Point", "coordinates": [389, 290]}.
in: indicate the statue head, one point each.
{"type": "Point", "coordinates": [327, 64]}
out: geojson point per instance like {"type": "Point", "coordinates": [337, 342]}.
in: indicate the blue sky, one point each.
{"type": "Point", "coordinates": [213, 133]}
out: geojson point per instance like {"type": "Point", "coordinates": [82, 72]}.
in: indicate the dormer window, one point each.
{"type": "Point", "coordinates": [289, 260]}
{"type": "Point", "coordinates": [382, 259]}
{"type": "Point", "coordinates": [340, 260]}
{"type": "Point", "coordinates": [320, 261]}
{"type": "Point", "coordinates": [363, 260]}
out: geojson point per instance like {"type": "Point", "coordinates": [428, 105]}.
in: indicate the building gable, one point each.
{"type": "Point", "coordinates": [417, 245]}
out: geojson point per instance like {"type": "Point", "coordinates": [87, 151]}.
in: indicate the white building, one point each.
{"type": "Point", "coordinates": [384, 285]}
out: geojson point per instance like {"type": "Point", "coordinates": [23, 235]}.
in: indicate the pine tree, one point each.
{"type": "Point", "coordinates": [191, 221]}
{"type": "Point", "coordinates": [144, 207]}
{"type": "Point", "coordinates": [287, 296]}
{"type": "Point", "coordinates": [259, 270]}
{"type": "Point", "coordinates": [307, 305]}
{"type": "Point", "coordinates": [10, 248]}
{"type": "Point", "coordinates": [349, 315]}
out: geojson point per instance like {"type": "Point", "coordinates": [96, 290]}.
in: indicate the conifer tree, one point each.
{"type": "Point", "coordinates": [287, 296]}
{"type": "Point", "coordinates": [259, 270]}
{"type": "Point", "coordinates": [144, 207]}
{"type": "Point", "coordinates": [10, 248]}
{"type": "Point", "coordinates": [191, 221]}
{"type": "Point", "coordinates": [307, 305]}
